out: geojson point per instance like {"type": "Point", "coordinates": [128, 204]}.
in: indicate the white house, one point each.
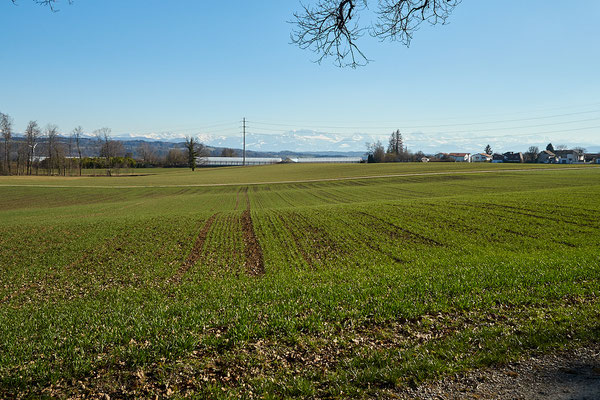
{"type": "Point", "coordinates": [460, 157]}
{"type": "Point", "coordinates": [481, 157]}
{"type": "Point", "coordinates": [569, 157]}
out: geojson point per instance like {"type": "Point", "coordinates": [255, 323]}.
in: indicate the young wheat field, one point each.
{"type": "Point", "coordinates": [318, 281]}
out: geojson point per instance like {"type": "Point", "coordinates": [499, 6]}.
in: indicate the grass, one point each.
{"type": "Point", "coordinates": [368, 284]}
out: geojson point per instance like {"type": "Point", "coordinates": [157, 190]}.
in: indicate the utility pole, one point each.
{"type": "Point", "coordinates": [244, 128]}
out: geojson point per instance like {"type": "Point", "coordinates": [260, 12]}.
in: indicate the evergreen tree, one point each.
{"type": "Point", "coordinates": [190, 145]}
{"type": "Point", "coordinates": [396, 144]}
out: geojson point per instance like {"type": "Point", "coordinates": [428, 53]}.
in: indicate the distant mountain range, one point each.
{"type": "Point", "coordinates": [314, 142]}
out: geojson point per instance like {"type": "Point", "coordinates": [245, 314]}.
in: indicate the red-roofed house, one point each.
{"type": "Point", "coordinates": [460, 157]}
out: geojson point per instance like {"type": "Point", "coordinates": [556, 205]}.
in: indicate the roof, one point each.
{"type": "Point", "coordinates": [547, 152]}
{"type": "Point", "coordinates": [459, 154]}
{"type": "Point", "coordinates": [325, 160]}
{"type": "Point", "coordinates": [241, 159]}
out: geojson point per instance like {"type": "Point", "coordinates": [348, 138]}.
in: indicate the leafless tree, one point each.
{"type": "Point", "coordinates": [76, 134]}
{"type": "Point", "coordinates": [6, 129]}
{"type": "Point", "coordinates": [146, 153]}
{"type": "Point", "coordinates": [531, 154]}
{"type": "Point", "coordinates": [32, 134]}
{"type": "Point", "coordinates": [375, 152]}
{"type": "Point", "coordinates": [51, 133]}
{"type": "Point", "coordinates": [22, 157]}
{"type": "Point", "coordinates": [228, 152]}
{"type": "Point", "coordinates": [176, 158]}
{"type": "Point", "coordinates": [580, 150]}
{"type": "Point", "coordinates": [103, 137]}
{"type": "Point", "coordinates": [331, 28]}
{"type": "Point", "coordinates": [561, 147]}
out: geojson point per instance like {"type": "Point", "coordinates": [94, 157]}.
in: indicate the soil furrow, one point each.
{"type": "Point", "coordinates": [195, 253]}
{"type": "Point", "coordinates": [254, 256]}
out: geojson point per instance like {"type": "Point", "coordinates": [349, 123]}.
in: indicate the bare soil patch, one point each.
{"type": "Point", "coordinates": [254, 256]}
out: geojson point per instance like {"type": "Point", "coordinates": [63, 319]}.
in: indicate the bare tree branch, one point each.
{"type": "Point", "coordinates": [331, 28]}
{"type": "Point", "coordinates": [48, 3]}
{"type": "Point", "coordinates": [399, 19]}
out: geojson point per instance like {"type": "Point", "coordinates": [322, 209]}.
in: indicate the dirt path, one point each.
{"type": "Point", "coordinates": [254, 256]}
{"type": "Point", "coordinates": [348, 178]}
{"type": "Point", "coordinates": [567, 375]}
{"type": "Point", "coordinates": [195, 253]}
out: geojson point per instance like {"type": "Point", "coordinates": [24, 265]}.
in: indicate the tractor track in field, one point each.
{"type": "Point", "coordinates": [300, 181]}
{"type": "Point", "coordinates": [196, 252]}
{"type": "Point", "coordinates": [237, 197]}
{"type": "Point", "coordinates": [254, 256]}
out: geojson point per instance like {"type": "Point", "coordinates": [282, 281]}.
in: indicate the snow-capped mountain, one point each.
{"type": "Point", "coordinates": [315, 141]}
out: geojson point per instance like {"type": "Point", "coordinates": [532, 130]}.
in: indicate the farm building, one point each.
{"type": "Point", "coordinates": [481, 157]}
{"type": "Point", "coordinates": [460, 157]}
{"type": "Point", "coordinates": [231, 161]}
{"type": "Point", "coordinates": [327, 160]}
{"type": "Point", "coordinates": [569, 157]}
{"type": "Point", "coordinates": [497, 158]}
{"type": "Point", "coordinates": [511, 157]}
{"type": "Point", "coordinates": [546, 157]}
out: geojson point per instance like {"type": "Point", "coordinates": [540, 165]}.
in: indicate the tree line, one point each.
{"type": "Point", "coordinates": [396, 151]}
{"type": "Point", "coordinates": [45, 151]}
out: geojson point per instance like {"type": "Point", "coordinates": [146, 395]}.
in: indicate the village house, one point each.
{"type": "Point", "coordinates": [546, 157]}
{"type": "Point", "coordinates": [511, 157]}
{"type": "Point", "coordinates": [497, 158]}
{"type": "Point", "coordinates": [481, 157]}
{"type": "Point", "coordinates": [569, 157]}
{"type": "Point", "coordinates": [460, 157]}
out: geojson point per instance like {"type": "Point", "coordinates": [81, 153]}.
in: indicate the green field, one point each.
{"type": "Point", "coordinates": [330, 281]}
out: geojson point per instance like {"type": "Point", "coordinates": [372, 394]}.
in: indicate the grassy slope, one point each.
{"type": "Point", "coordinates": [368, 284]}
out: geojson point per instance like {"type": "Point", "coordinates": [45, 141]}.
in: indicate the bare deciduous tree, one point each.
{"type": "Point", "coordinates": [32, 134]}
{"type": "Point", "coordinates": [6, 129]}
{"type": "Point", "coordinates": [331, 28]}
{"type": "Point", "coordinates": [148, 155]}
{"type": "Point", "coordinates": [105, 146]}
{"type": "Point", "coordinates": [51, 138]}
{"type": "Point", "coordinates": [375, 152]}
{"type": "Point", "coordinates": [227, 152]}
{"type": "Point", "coordinates": [531, 154]}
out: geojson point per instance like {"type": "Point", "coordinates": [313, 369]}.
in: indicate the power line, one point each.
{"type": "Point", "coordinates": [429, 126]}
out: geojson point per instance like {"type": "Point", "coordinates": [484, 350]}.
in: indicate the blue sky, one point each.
{"type": "Point", "coordinates": [501, 70]}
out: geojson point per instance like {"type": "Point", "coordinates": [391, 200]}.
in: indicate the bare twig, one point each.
{"type": "Point", "coordinates": [331, 28]}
